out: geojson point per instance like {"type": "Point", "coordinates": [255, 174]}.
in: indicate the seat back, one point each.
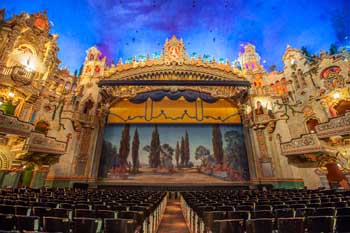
{"type": "Point", "coordinates": [119, 225]}
{"type": "Point", "coordinates": [261, 225]}
{"type": "Point", "coordinates": [7, 222]}
{"type": "Point", "coordinates": [290, 225]}
{"type": "Point", "coordinates": [262, 214]}
{"type": "Point", "coordinates": [210, 216]}
{"type": "Point", "coordinates": [238, 215]}
{"type": "Point", "coordinates": [228, 225]}
{"type": "Point", "coordinates": [84, 213]}
{"type": "Point", "coordinates": [102, 214]}
{"type": "Point", "coordinates": [84, 225]}
{"type": "Point", "coordinates": [343, 211]}
{"type": "Point", "coordinates": [284, 213]}
{"type": "Point", "coordinates": [326, 211]}
{"type": "Point", "coordinates": [27, 223]}
{"type": "Point", "coordinates": [320, 224]}
{"type": "Point", "coordinates": [55, 224]}
{"type": "Point", "coordinates": [7, 209]}
{"type": "Point", "coordinates": [343, 224]}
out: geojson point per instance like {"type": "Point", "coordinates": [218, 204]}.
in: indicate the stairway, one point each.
{"type": "Point", "coordinates": [173, 220]}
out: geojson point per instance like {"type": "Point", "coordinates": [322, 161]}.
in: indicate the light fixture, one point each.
{"type": "Point", "coordinates": [11, 94]}
{"type": "Point", "coordinates": [336, 95]}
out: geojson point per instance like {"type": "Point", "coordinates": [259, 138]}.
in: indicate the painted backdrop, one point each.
{"type": "Point", "coordinates": [180, 153]}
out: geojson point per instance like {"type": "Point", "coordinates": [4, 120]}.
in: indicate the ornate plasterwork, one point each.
{"type": "Point", "coordinates": [174, 51]}
{"type": "Point", "coordinates": [335, 126]}
{"type": "Point", "coordinates": [38, 142]}
{"type": "Point", "coordinates": [11, 125]}
{"type": "Point", "coordinates": [308, 143]}
{"type": "Point", "coordinates": [174, 64]}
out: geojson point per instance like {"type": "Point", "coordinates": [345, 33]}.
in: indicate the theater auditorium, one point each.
{"type": "Point", "coordinates": [172, 141]}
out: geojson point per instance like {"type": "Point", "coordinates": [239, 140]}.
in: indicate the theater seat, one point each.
{"type": "Point", "coordinates": [261, 225]}
{"type": "Point", "coordinates": [54, 224]}
{"type": "Point", "coordinates": [7, 222]}
{"type": "Point", "coordinates": [84, 225]}
{"type": "Point", "coordinates": [27, 223]}
{"type": "Point", "coordinates": [119, 225]}
{"type": "Point", "coordinates": [316, 224]}
{"type": "Point", "coordinates": [343, 224]}
{"type": "Point", "coordinates": [228, 225]}
{"type": "Point", "coordinates": [290, 225]}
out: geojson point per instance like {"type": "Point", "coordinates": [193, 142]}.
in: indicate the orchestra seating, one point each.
{"type": "Point", "coordinates": [81, 211]}
{"type": "Point", "coordinates": [254, 211]}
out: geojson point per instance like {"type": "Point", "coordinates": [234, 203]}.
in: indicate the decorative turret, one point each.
{"type": "Point", "coordinates": [174, 50]}
{"type": "Point", "coordinates": [249, 58]}
{"type": "Point", "coordinates": [292, 56]}
{"type": "Point", "coordinates": [94, 64]}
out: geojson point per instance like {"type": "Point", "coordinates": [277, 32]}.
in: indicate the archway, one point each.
{"type": "Point", "coordinates": [173, 120]}
{"type": "Point", "coordinates": [311, 124]}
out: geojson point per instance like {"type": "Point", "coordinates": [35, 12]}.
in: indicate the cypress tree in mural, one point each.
{"type": "Point", "coordinates": [187, 149]}
{"type": "Point", "coordinates": [155, 149]}
{"type": "Point", "coordinates": [135, 151]}
{"type": "Point", "coordinates": [124, 147]}
{"type": "Point", "coordinates": [217, 144]}
{"type": "Point", "coordinates": [182, 152]}
{"type": "Point", "coordinates": [177, 154]}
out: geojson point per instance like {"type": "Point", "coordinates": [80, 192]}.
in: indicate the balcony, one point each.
{"type": "Point", "coordinates": [17, 74]}
{"type": "Point", "coordinates": [306, 151]}
{"type": "Point", "coordinates": [12, 125]}
{"type": "Point", "coordinates": [262, 119]}
{"type": "Point", "coordinates": [41, 143]}
{"type": "Point", "coordinates": [334, 127]}
{"type": "Point", "coordinates": [308, 143]}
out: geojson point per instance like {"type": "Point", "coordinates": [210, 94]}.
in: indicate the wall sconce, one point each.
{"type": "Point", "coordinates": [11, 94]}
{"type": "Point", "coordinates": [336, 95]}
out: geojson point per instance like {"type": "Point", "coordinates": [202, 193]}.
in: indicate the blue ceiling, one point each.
{"type": "Point", "coordinates": [214, 27]}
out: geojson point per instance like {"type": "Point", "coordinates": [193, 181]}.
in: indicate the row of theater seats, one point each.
{"type": "Point", "coordinates": [252, 211]}
{"type": "Point", "coordinates": [66, 210]}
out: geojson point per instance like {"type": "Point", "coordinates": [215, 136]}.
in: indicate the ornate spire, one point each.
{"type": "Point", "coordinates": [174, 51]}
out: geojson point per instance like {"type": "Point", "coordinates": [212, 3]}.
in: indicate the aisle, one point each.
{"type": "Point", "coordinates": [173, 220]}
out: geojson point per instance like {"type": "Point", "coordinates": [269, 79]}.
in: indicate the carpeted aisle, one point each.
{"type": "Point", "coordinates": [173, 220]}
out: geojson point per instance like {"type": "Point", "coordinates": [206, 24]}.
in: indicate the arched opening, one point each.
{"type": "Point", "coordinates": [311, 124]}
{"type": "Point", "coordinates": [25, 55]}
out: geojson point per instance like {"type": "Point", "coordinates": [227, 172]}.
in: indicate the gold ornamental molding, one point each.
{"type": "Point", "coordinates": [173, 70]}
{"type": "Point", "coordinates": [334, 127]}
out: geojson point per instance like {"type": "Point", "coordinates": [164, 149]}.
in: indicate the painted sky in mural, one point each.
{"type": "Point", "coordinates": [126, 28]}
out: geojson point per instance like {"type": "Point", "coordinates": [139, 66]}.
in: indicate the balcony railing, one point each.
{"type": "Point", "coordinates": [335, 126]}
{"type": "Point", "coordinates": [12, 125]}
{"type": "Point", "coordinates": [39, 142]}
{"type": "Point", "coordinates": [18, 74]}
{"type": "Point", "coordinates": [308, 143]}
